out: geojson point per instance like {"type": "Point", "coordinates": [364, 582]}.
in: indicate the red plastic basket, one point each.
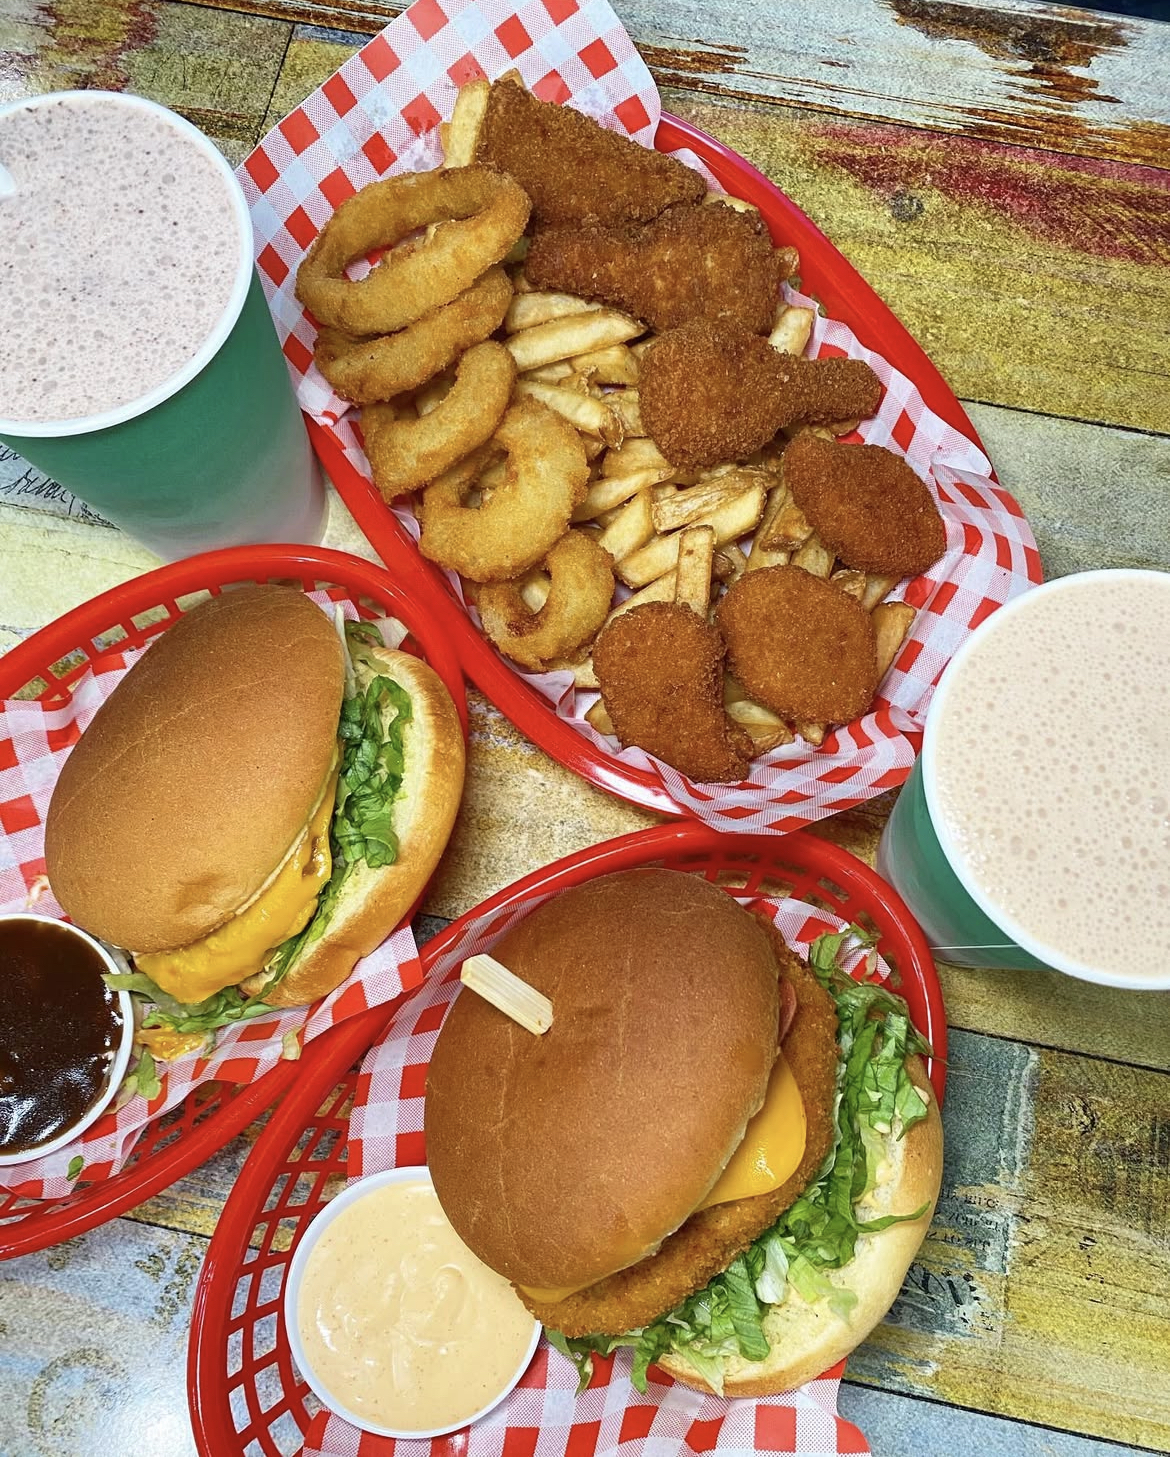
{"type": "Point", "coordinates": [46, 666]}
{"type": "Point", "coordinates": [244, 1392]}
{"type": "Point", "coordinates": [844, 294]}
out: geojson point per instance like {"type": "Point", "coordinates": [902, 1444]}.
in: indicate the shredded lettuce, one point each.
{"type": "Point", "coordinates": [875, 1096]}
{"type": "Point", "coordinates": [370, 735]}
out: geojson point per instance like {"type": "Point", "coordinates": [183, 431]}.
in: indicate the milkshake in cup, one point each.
{"type": "Point", "coordinates": [1034, 829]}
{"type": "Point", "coordinates": [141, 368]}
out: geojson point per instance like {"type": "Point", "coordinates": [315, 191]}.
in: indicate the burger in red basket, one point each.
{"type": "Point", "coordinates": [254, 808]}
{"type": "Point", "coordinates": [717, 1155]}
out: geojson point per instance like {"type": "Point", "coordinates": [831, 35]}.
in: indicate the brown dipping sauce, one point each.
{"type": "Point", "coordinates": [60, 1026]}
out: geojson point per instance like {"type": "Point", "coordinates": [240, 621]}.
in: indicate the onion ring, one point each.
{"type": "Point", "coordinates": [579, 596]}
{"type": "Point", "coordinates": [527, 513]}
{"type": "Point", "coordinates": [406, 453]}
{"type": "Point", "coordinates": [480, 214]}
{"type": "Point", "coordinates": [368, 370]}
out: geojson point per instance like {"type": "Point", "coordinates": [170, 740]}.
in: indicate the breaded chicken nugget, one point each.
{"type": "Point", "coordinates": [799, 646]}
{"type": "Point", "coordinates": [575, 170]}
{"type": "Point", "coordinates": [865, 503]}
{"type": "Point", "coordinates": [713, 392]}
{"type": "Point", "coordinates": [660, 667]}
{"type": "Point", "coordinates": [708, 1242]}
{"type": "Point", "coordinates": [694, 262]}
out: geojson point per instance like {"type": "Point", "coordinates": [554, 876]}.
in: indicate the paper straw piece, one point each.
{"type": "Point", "coordinates": [507, 993]}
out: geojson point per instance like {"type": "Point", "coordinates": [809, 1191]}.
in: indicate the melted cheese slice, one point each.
{"type": "Point", "coordinates": [236, 949]}
{"type": "Point", "coordinates": [771, 1151]}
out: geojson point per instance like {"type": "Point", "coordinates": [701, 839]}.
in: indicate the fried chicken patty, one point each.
{"type": "Point", "coordinates": [575, 170]}
{"type": "Point", "coordinates": [799, 645]}
{"type": "Point", "coordinates": [707, 1243]}
{"type": "Point", "coordinates": [660, 667]}
{"type": "Point", "coordinates": [866, 504]}
{"type": "Point", "coordinates": [706, 261]}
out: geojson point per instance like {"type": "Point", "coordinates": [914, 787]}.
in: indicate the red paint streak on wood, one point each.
{"type": "Point", "coordinates": [1109, 209]}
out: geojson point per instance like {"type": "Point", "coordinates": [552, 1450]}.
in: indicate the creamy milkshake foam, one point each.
{"type": "Point", "coordinates": [118, 251]}
{"type": "Point", "coordinates": [1051, 782]}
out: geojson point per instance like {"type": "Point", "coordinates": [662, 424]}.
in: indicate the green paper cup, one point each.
{"type": "Point", "coordinates": [215, 454]}
{"type": "Point", "coordinates": [1034, 829]}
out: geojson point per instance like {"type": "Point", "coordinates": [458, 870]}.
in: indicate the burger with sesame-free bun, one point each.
{"type": "Point", "coordinates": [718, 1155]}
{"type": "Point", "coordinates": [254, 808]}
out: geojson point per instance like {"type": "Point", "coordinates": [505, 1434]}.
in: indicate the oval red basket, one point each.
{"type": "Point", "coordinates": [45, 667]}
{"type": "Point", "coordinates": [244, 1392]}
{"type": "Point", "coordinates": [845, 296]}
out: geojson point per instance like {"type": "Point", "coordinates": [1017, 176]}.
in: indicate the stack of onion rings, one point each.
{"type": "Point", "coordinates": [579, 595]}
{"type": "Point", "coordinates": [517, 525]}
{"type": "Point", "coordinates": [480, 214]}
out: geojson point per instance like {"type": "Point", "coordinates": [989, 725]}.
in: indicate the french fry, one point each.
{"type": "Point", "coordinates": [814, 557]}
{"type": "Point", "coordinates": [663, 491]}
{"type": "Point", "coordinates": [790, 334]}
{"type": "Point", "coordinates": [685, 507]}
{"type": "Point", "coordinates": [738, 203]}
{"type": "Point", "coordinates": [660, 590]}
{"type": "Point", "coordinates": [635, 455]}
{"type": "Point", "coordinates": [733, 518]}
{"type": "Point", "coordinates": [788, 530]}
{"type": "Point", "coordinates": [593, 446]}
{"type": "Point", "coordinates": [565, 338]}
{"type": "Point", "coordinates": [627, 407]}
{"type": "Point", "coordinates": [540, 307]}
{"type": "Point", "coordinates": [812, 733]}
{"type": "Point", "coordinates": [431, 396]}
{"type": "Point", "coordinates": [696, 548]}
{"type": "Point", "coordinates": [461, 133]}
{"type": "Point", "coordinates": [534, 592]}
{"type": "Point", "coordinates": [850, 582]}
{"type": "Point", "coordinates": [615, 365]}
{"type": "Point", "coordinates": [598, 717]}
{"type": "Point", "coordinates": [583, 411]}
{"type": "Point", "coordinates": [891, 623]}
{"type": "Point", "coordinates": [610, 491]}
{"type": "Point", "coordinates": [762, 555]}
{"type": "Point", "coordinates": [767, 729]}
{"type": "Point", "coordinates": [632, 527]}
{"type": "Point", "coordinates": [875, 589]}
{"type": "Point", "coordinates": [554, 373]}
{"type": "Point", "coordinates": [729, 564]}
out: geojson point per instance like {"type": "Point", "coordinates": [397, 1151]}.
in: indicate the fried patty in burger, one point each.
{"type": "Point", "coordinates": [683, 1100]}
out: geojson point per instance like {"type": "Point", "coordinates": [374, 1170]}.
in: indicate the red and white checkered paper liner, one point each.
{"type": "Point", "coordinates": [542, 1416]}
{"type": "Point", "coordinates": [378, 115]}
{"type": "Point", "coordinates": [34, 743]}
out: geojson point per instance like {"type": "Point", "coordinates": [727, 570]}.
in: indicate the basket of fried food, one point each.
{"type": "Point", "coordinates": [582, 375]}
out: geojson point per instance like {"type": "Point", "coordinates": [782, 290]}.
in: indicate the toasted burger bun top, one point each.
{"type": "Point", "coordinates": [200, 770]}
{"type": "Point", "coordinates": [807, 1339]}
{"type": "Point", "coordinates": [560, 1159]}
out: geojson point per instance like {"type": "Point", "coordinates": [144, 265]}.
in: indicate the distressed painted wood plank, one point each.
{"type": "Point", "coordinates": [1035, 75]}
{"type": "Point", "coordinates": [216, 67]}
{"type": "Point", "coordinates": [1040, 1291]}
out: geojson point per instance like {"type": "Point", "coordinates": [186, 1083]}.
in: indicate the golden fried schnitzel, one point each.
{"type": "Point", "coordinates": [799, 645]}
{"type": "Point", "coordinates": [865, 503]}
{"type": "Point", "coordinates": [710, 1240]}
{"type": "Point", "coordinates": [713, 392]}
{"type": "Point", "coordinates": [706, 261]}
{"type": "Point", "coordinates": [574, 170]}
{"type": "Point", "coordinates": [660, 667]}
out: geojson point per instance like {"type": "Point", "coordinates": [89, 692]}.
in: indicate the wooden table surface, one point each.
{"type": "Point", "coordinates": [1001, 174]}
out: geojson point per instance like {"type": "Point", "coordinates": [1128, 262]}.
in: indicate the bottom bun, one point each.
{"type": "Point", "coordinates": [806, 1339]}
{"type": "Point", "coordinates": [372, 902]}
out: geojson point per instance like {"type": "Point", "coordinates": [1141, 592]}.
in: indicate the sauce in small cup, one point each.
{"type": "Point", "coordinates": [394, 1323]}
{"type": "Point", "coordinates": [65, 1036]}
